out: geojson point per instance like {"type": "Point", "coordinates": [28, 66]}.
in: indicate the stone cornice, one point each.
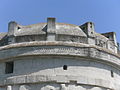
{"type": "Point", "coordinates": [56, 43]}
{"type": "Point", "coordinates": [59, 49]}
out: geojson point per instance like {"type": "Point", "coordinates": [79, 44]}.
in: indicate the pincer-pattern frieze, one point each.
{"type": "Point", "coordinates": [87, 52]}
{"type": "Point", "coordinates": [43, 50]}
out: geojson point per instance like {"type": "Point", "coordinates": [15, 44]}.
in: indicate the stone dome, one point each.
{"type": "Point", "coordinates": [41, 28]}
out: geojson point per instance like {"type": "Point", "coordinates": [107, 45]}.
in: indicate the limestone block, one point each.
{"type": "Point", "coordinates": [21, 79]}
{"type": "Point", "coordinates": [80, 88]}
{"type": "Point", "coordinates": [91, 81]}
{"type": "Point", "coordinates": [15, 87]}
{"type": "Point", "coordinates": [40, 78]}
{"type": "Point", "coordinates": [2, 81]}
{"type": "Point", "coordinates": [48, 87]}
{"type": "Point", "coordinates": [31, 78]}
{"type": "Point", "coordinates": [10, 80]}
{"type": "Point", "coordinates": [50, 37]}
{"type": "Point", "coordinates": [97, 88]}
{"type": "Point", "coordinates": [24, 87]}
{"type": "Point", "coordinates": [12, 26]}
{"type": "Point", "coordinates": [9, 87]}
{"type": "Point", "coordinates": [2, 68]}
{"type": "Point", "coordinates": [71, 87]}
{"type": "Point", "coordinates": [82, 80]}
{"type": "Point", "coordinates": [63, 87]}
{"type": "Point", "coordinates": [51, 23]}
{"type": "Point", "coordinates": [61, 79]}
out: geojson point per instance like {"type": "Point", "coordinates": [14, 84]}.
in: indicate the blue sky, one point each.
{"type": "Point", "coordinates": [104, 13]}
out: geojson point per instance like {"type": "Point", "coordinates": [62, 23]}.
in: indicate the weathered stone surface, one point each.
{"type": "Point", "coordinates": [57, 56]}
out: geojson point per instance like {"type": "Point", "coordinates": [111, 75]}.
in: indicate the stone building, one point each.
{"type": "Point", "coordinates": [58, 56]}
